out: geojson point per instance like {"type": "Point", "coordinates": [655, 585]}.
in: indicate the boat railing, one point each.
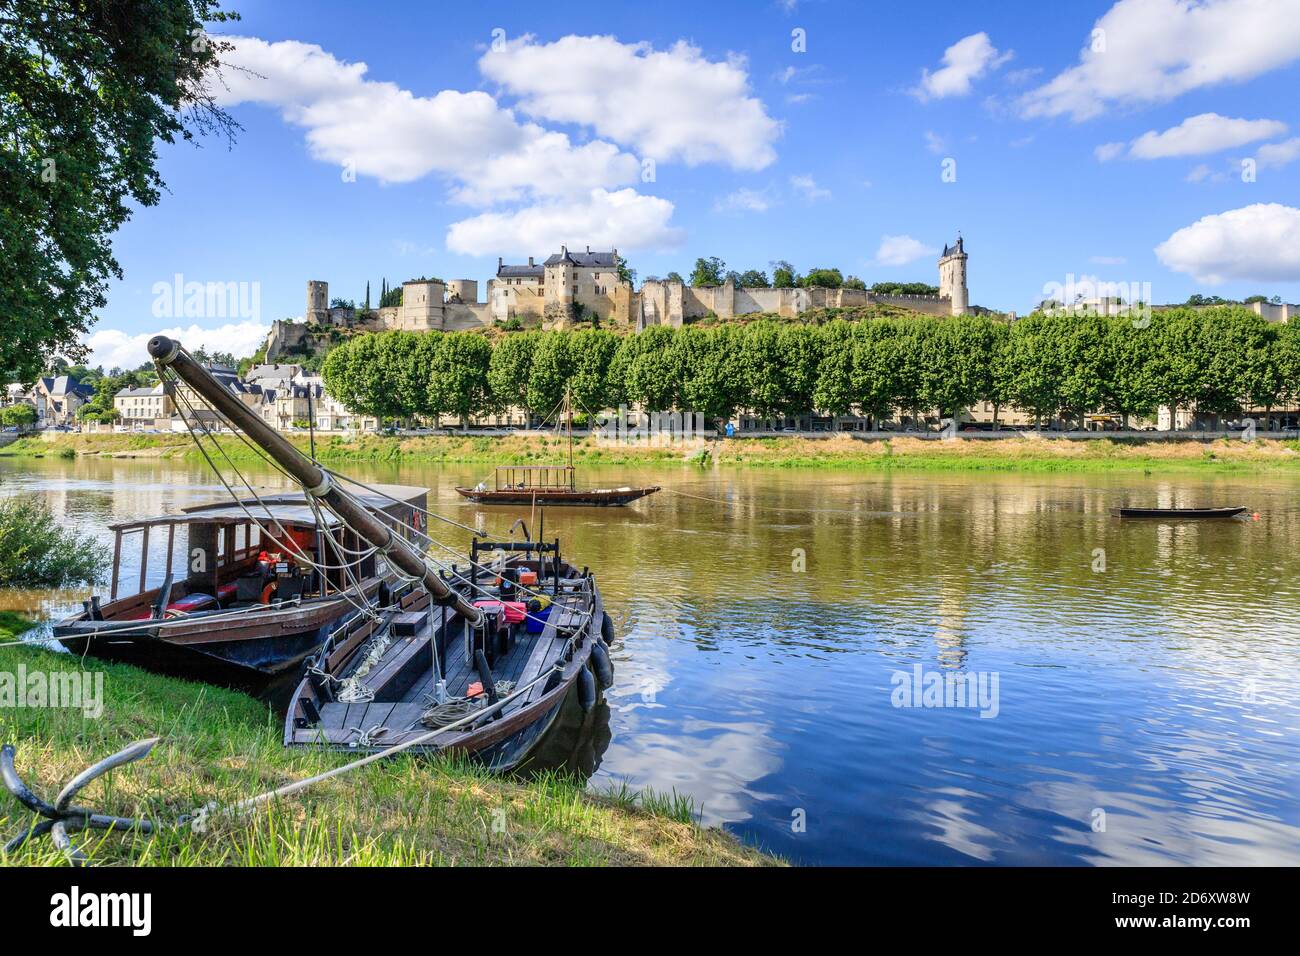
{"type": "Point", "coordinates": [230, 550]}
{"type": "Point", "coordinates": [535, 478]}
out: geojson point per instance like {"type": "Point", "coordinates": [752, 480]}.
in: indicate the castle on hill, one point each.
{"type": "Point", "coordinates": [571, 286]}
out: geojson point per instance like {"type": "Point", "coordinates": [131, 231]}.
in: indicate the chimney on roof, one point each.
{"type": "Point", "coordinates": [589, 250]}
{"type": "Point", "coordinates": [530, 260]}
{"type": "Point", "coordinates": [500, 263]}
{"type": "Point", "coordinates": [564, 250]}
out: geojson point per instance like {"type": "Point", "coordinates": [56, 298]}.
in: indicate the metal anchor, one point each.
{"type": "Point", "coordinates": [62, 817]}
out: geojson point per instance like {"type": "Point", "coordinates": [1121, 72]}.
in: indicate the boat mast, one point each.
{"type": "Point", "coordinates": [568, 407]}
{"type": "Point", "coordinates": [314, 480]}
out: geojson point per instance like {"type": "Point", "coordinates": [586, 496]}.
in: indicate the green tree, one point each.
{"type": "Point", "coordinates": [834, 392]}
{"type": "Point", "coordinates": [822, 279]}
{"type": "Point", "coordinates": [753, 279]}
{"type": "Point", "coordinates": [509, 370]}
{"type": "Point", "coordinates": [708, 272]}
{"type": "Point", "coordinates": [355, 374]}
{"type": "Point", "coordinates": [20, 415]}
{"type": "Point", "coordinates": [710, 368]}
{"type": "Point", "coordinates": [784, 275]}
{"type": "Point", "coordinates": [1286, 355]}
{"type": "Point", "coordinates": [625, 275]}
{"type": "Point", "coordinates": [90, 89]}
{"type": "Point", "coordinates": [457, 376]}
{"type": "Point", "coordinates": [957, 360]}
{"type": "Point", "coordinates": [591, 354]}
{"type": "Point", "coordinates": [646, 365]}
{"type": "Point", "coordinates": [548, 378]}
{"type": "Point", "coordinates": [877, 368]}
{"type": "Point", "coordinates": [1132, 386]}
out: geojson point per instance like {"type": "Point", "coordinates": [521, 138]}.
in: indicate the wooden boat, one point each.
{"type": "Point", "coordinates": [381, 684]}
{"type": "Point", "coordinates": [1177, 514]}
{"type": "Point", "coordinates": [548, 484]}
{"type": "Point", "coordinates": [400, 675]}
{"type": "Point", "coordinates": [245, 609]}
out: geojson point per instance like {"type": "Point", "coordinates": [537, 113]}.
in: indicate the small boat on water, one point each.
{"type": "Point", "coordinates": [1178, 514]}
{"type": "Point", "coordinates": [379, 684]}
{"type": "Point", "coordinates": [476, 657]}
{"type": "Point", "coordinates": [256, 593]}
{"type": "Point", "coordinates": [548, 484]}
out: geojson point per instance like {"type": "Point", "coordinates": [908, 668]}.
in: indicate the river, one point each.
{"type": "Point", "coordinates": [1133, 685]}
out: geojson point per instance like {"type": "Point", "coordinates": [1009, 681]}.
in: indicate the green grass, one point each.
{"type": "Point", "coordinates": [896, 453]}
{"type": "Point", "coordinates": [12, 625]}
{"type": "Point", "coordinates": [222, 746]}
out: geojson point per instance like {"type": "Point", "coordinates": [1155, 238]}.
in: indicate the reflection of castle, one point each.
{"type": "Point", "coordinates": [573, 285]}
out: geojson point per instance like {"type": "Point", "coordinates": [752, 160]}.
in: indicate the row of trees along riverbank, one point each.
{"type": "Point", "coordinates": [1219, 359]}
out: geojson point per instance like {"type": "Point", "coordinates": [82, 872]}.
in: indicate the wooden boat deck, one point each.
{"type": "Point", "coordinates": [399, 704]}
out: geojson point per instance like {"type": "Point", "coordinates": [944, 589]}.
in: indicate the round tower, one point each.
{"type": "Point", "coordinates": [465, 290]}
{"type": "Point", "coordinates": [318, 302]}
{"type": "Point", "coordinates": [952, 277]}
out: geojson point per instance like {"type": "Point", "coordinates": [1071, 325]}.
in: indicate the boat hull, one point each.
{"type": "Point", "coordinates": [1178, 514]}
{"type": "Point", "coordinates": [589, 499]}
{"type": "Point", "coordinates": [244, 653]}
{"type": "Point", "coordinates": [500, 744]}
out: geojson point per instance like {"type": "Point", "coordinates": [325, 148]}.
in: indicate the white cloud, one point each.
{"type": "Point", "coordinates": [1197, 173]}
{"type": "Point", "coordinates": [624, 219]}
{"type": "Point", "coordinates": [113, 348]}
{"type": "Point", "coordinates": [1259, 242]}
{"type": "Point", "coordinates": [1205, 133]}
{"type": "Point", "coordinates": [487, 155]}
{"type": "Point", "coordinates": [807, 187]}
{"type": "Point", "coordinates": [744, 200]}
{"type": "Point", "coordinates": [1151, 51]}
{"type": "Point", "coordinates": [1108, 151]}
{"type": "Point", "coordinates": [379, 129]}
{"type": "Point", "coordinates": [964, 62]}
{"type": "Point", "coordinates": [668, 104]}
{"type": "Point", "coordinates": [1107, 260]}
{"type": "Point", "coordinates": [934, 142]}
{"type": "Point", "coordinates": [1279, 154]}
{"type": "Point", "coordinates": [900, 250]}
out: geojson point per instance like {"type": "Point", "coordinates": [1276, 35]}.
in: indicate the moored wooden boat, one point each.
{"type": "Point", "coordinates": [547, 485]}
{"type": "Point", "coordinates": [1178, 513]}
{"type": "Point", "coordinates": [382, 684]}
{"type": "Point", "coordinates": [401, 675]}
{"type": "Point", "coordinates": [248, 604]}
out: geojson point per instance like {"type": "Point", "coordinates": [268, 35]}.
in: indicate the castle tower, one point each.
{"type": "Point", "coordinates": [422, 304]}
{"type": "Point", "coordinates": [466, 290]}
{"type": "Point", "coordinates": [952, 277]}
{"type": "Point", "coordinates": [318, 302]}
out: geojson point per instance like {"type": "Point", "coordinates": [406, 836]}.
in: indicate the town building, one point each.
{"type": "Point", "coordinates": [61, 396]}
{"type": "Point", "coordinates": [141, 408]}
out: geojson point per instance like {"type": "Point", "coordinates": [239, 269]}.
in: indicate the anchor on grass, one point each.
{"type": "Point", "coordinates": [61, 817]}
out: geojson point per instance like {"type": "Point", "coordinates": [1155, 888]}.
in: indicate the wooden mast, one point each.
{"type": "Point", "coordinates": [307, 473]}
{"type": "Point", "coordinates": [568, 407]}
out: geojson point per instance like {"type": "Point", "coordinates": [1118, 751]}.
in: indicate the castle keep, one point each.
{"type": "Point", "coordinates": [572, 286]}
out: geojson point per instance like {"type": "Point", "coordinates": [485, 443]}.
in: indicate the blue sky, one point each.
{"type": "Point", "coordinates": [457, 144]}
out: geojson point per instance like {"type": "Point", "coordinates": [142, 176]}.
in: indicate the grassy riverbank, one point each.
{"type": "Point", "coordinates": [222, 746]}
{"type": "Point", "coordinates": [1025, 453]}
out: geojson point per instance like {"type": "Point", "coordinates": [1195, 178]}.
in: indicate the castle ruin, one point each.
{"type": "Point", "coordinates": [570, 286]}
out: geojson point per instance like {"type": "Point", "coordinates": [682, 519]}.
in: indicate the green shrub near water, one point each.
{"type": "Point", "coordinates": [35, 552]}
